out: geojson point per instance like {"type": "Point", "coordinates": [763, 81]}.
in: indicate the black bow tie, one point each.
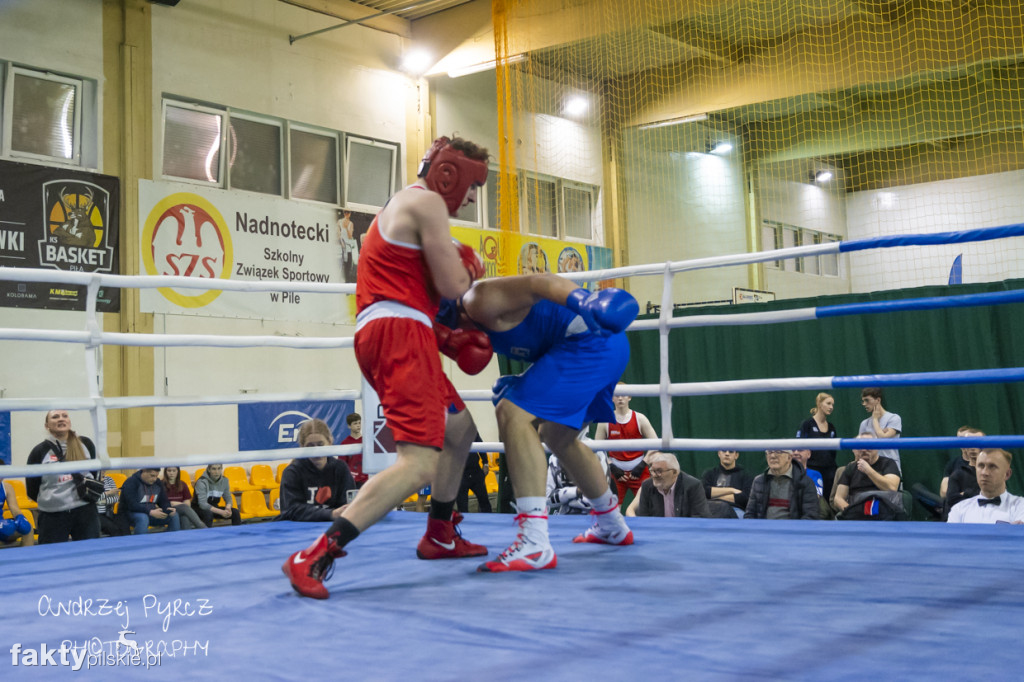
{"type": "Point", "coordinates": [982, 501]}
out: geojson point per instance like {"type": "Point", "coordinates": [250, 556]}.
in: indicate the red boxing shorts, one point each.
{"type": "Point", "coordinates": [399, 358]}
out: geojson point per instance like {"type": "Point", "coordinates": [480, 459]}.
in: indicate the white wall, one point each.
{"type": "Point", "coordinates": [55, 35]}
{"type": "Point", "coordinates": [965, 203]}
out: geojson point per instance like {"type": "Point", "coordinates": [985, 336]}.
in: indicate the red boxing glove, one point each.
{"type": "Point", "coordinates": [469, 348]}
{"type": "Point", "coordinates": [470, 260]}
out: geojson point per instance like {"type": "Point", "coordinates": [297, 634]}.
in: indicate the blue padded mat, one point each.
{"type": "Point", "coordinates": [692, 599]}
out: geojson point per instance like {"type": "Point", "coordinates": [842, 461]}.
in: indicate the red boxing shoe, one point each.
{"type": "Point", "coordinates": [443, 540]}
{"type": "Point", "coordinates": [307, 570]}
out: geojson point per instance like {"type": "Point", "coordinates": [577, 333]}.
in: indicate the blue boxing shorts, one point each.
{"type": "Point", "coordinates": [573, 383]}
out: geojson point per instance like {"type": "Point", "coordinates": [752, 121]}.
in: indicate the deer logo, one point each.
{"type": "Point", "coordinates": [129, 644]}
{"type": "Point", "coordinates": [77, 228]}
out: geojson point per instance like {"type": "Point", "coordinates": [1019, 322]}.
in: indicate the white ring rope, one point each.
{"type": "Point", "coordinates": [93, 338]}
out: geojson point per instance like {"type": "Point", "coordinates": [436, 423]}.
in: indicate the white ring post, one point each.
{"type": "Point", "coordinates": [664, 379]}
{"type": "Point", "coordinates": [94, 370]}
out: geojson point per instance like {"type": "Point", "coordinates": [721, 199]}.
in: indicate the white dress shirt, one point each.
{"type": "Point", "coordinates": [1009, 509]}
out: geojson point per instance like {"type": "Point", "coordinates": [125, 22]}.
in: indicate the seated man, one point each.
{"type": "Point", "coordinates": [669, 491]}
{"type": "Point", "coordinates": [144, 502]}
{"type": "Point", "coordinates": [783, 491]}
{"type": "Point", "coordinates": [212, 498]}
{"type": "Point", "coordinates": [728, 482]}
{"type": "Point", "coordinates": [315, 489]}
{"type": "Point", "coordinates": [564, 496]}
{"type": "Point", "coordinates": [993, 504]}
{"type": "Point", "coordinates": [18, 526]}
{"type": "Point", "coordinates": [862, 486]}
{"type": "Point", "coordinates": [802, 457]}
{"type": "Point", "coordinates": [963, 481]}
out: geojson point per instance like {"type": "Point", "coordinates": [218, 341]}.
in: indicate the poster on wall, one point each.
{"type": "Point", "coordinates": [57, 219]}
{"type": "Point", "coordinates": [518, 254]}
{"type": "Point", "coordinates": [203, 232]}
{"type": "Point", "coordinates": [273, 426]}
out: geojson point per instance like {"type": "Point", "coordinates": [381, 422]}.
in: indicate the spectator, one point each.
{"type": "Point", "coordinates": [110, 523]}
{"type": "Point", "coordinates": [881, 423]}
{"type": "Point", "coordinates": [818, 426]}
{"type": "Point", "coordinates": [67, 507]}
{"type": "Point", "coordinates": [994, 504]}
{"type": "Point", "coordinates": [181, 497]}
{"type": "Point", "coordinates": [955, 462]}
{"type": "Point", "coordinates": [355, 436]}
{"type": "Point", "coordinates": [212, 498]}
{"type": "Point", "coordinates": [628, 467]}
{"type": "Point", "coordinates": [669, 491]}
{"type": "Point", "coordinates": [315, 488]}
{"type": "Point", "coordinates": [564, 496]}
{"type": "Point", "coordinates": [728, 482]}
{"type": "Point", "coordinates": [963, 482]}
{"type": "Point", "coordinates": [867, 487]}
{"type": "Point", "coordinates": [783, 491]}
{"type": "Point", "coordinates": [474, 477]}
{"type": "Point", "coordinates": [801, 457]}
{"type": "Point", "coordinates": [144, 502]}
{"type": "Point", "coordinates": [18, 526]}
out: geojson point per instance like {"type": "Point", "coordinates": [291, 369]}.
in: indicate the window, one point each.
{"type": "Point", "coordinates": [491, 200]}
{"type": "Point", "coordinates": [192, 143]}
{"type": "Point", "coordinates": [771, 237]}
{"type": "Point", "coordinates": [539, 208]}
{"type": "Point", "coordinates": [43, 116]}
{"type": "Point", "coordinates": [254, 155]}
{"type": "Point", "coordinates": [829, 261]}
{"type": "Point", "coordinates": [810, 263]}
{"type": "Point", "coordinates": [314, 166]}
{"type": "Point", "coordinates": [779, 235]}
{"type": "Point", "coordinates": [369, 172]}
{"type": "Point", "coordinates": [578, 210]}
{"type": "Point", "coordinates": [790, 238]}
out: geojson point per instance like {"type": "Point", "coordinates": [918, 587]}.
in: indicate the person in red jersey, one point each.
{"type": "Point", "coordinates": [407, 263]}
{"type": "Point", "coordinates": [628, 467]}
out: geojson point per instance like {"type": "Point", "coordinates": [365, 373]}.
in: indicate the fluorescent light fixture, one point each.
{"type": "Point", "coordinates": [721, 148]}
{"type": "Point", "coordinates": [484, 66]}
{"type": "Point", "coordinates": [416, 62]}
{"type": "Point", "coordinates": [822, 176]}
{"type": "Point", "coordinates": [575, 106]}
{"type": "Point", "coordinates": [675, 121]}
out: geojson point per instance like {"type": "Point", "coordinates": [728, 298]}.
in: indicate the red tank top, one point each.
{"type": "Point", "coordinates": [393, 272]}
{"type": "Point", "coordinates": [627, 431]}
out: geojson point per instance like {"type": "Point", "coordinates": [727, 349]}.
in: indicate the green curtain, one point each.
{"type": "Point", "coordinates": [922, 341]}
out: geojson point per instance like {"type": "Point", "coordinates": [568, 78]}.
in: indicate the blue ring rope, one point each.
{"type": "Point", "coordinates": [931, 443]}
{"type": "Point", "coordinates": [955, 377]}
{"type": "Point", "coordinates": [928, 303]}
{"type": "Point", "coordinates": [977, 235]}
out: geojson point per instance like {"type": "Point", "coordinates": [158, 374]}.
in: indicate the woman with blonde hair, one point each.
{"type": "Point", "coordinates": [818, 426]}
{"type": "Point", "coordinates": [67, 502]}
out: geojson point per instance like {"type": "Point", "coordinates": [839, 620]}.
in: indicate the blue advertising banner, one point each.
{"type": "Point", "coordinates": [268, 426]}
{"type": "Point", "coordinates": [5, 437]}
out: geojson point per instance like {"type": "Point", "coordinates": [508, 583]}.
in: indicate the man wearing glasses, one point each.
{"type": "Point", "coordinates": [669, 491]}
{"type": "Point", "coordinates": [783, 491]}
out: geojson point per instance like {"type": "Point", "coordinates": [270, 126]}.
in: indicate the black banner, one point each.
{"type": "Point", "coordinates": [59, 219]}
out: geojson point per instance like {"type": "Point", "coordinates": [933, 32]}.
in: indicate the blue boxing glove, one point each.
{"type": "Point", "coordinates": [22, 525]}
{"type": "Point", "coordinates": [9, 528]}
{"type": "Point", "coordinates": [605, 312]}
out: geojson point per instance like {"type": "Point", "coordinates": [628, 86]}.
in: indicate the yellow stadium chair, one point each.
{"type": "Point", "coordinates": [254, 506]}
{"type": "Point", "coordinates": [237, 479]}
{"type": "Point", "coordinates": [183, 475]}
{"type": "Point", "coordinates": [20, 494]}
{"type": "Point", "coordinates": [491, 482]}
{"type": "Point", "coordinates": [262, 476]}
{"type": "Point", "coordinates": [492, 461]}
{"type": "Point", "coordinates": [198, 473]}
{"type": "Point", "coordinates": [118, 479]}
{"type": "Point", "coordinates": [275, 500]}
{"type": "Point", "coordinates": [280, 471]}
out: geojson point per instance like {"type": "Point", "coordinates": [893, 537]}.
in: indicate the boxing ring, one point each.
{"type": "Point", "coordinates": [693, 598]}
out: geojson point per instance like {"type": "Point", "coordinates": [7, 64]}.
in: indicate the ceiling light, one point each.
{"type": "Point", "coordinates": [416, 62]}
{"type": "Point", "coordinates": [575, 106]}
{"type": "Point", "coordinates": [721, 148]}
{"type": "Point", "coordinates": [822, 176]}
{"type": "Point", "coordinates": [675, 121]}
{"type": "Point", "coordinates": [484, 66]}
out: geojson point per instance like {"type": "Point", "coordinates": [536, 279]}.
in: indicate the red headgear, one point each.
{"type": "Point", "coordinates": [451, 173]}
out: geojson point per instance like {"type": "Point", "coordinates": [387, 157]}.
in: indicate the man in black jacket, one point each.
{"type": "Point", "coordinates": [144, 501]}
{"type": "Point", "coordinates": [728, 482]}
{"type": "Point", "coordinates": [315, 489]}
{"type": "Point", "coordinates": [783, 491]}
{"type": "Point", "coordinates": [669, 491]}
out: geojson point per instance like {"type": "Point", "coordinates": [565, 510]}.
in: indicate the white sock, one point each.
{"type": "Point", "coordinates": [535, 525]}
{"type": "Point", "coordinates": [604, 502]}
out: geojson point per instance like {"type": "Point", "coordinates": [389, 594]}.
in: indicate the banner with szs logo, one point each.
{"type": "Point", "coordinates": [272, 426]}
{"type": "Point", "coordinates": [59, 219]}
{"type": "Point", "coordinates": [209, 233]}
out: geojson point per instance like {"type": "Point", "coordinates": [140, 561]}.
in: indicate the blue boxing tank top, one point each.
{"type": "Point", "coordinates": [545, 325]}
